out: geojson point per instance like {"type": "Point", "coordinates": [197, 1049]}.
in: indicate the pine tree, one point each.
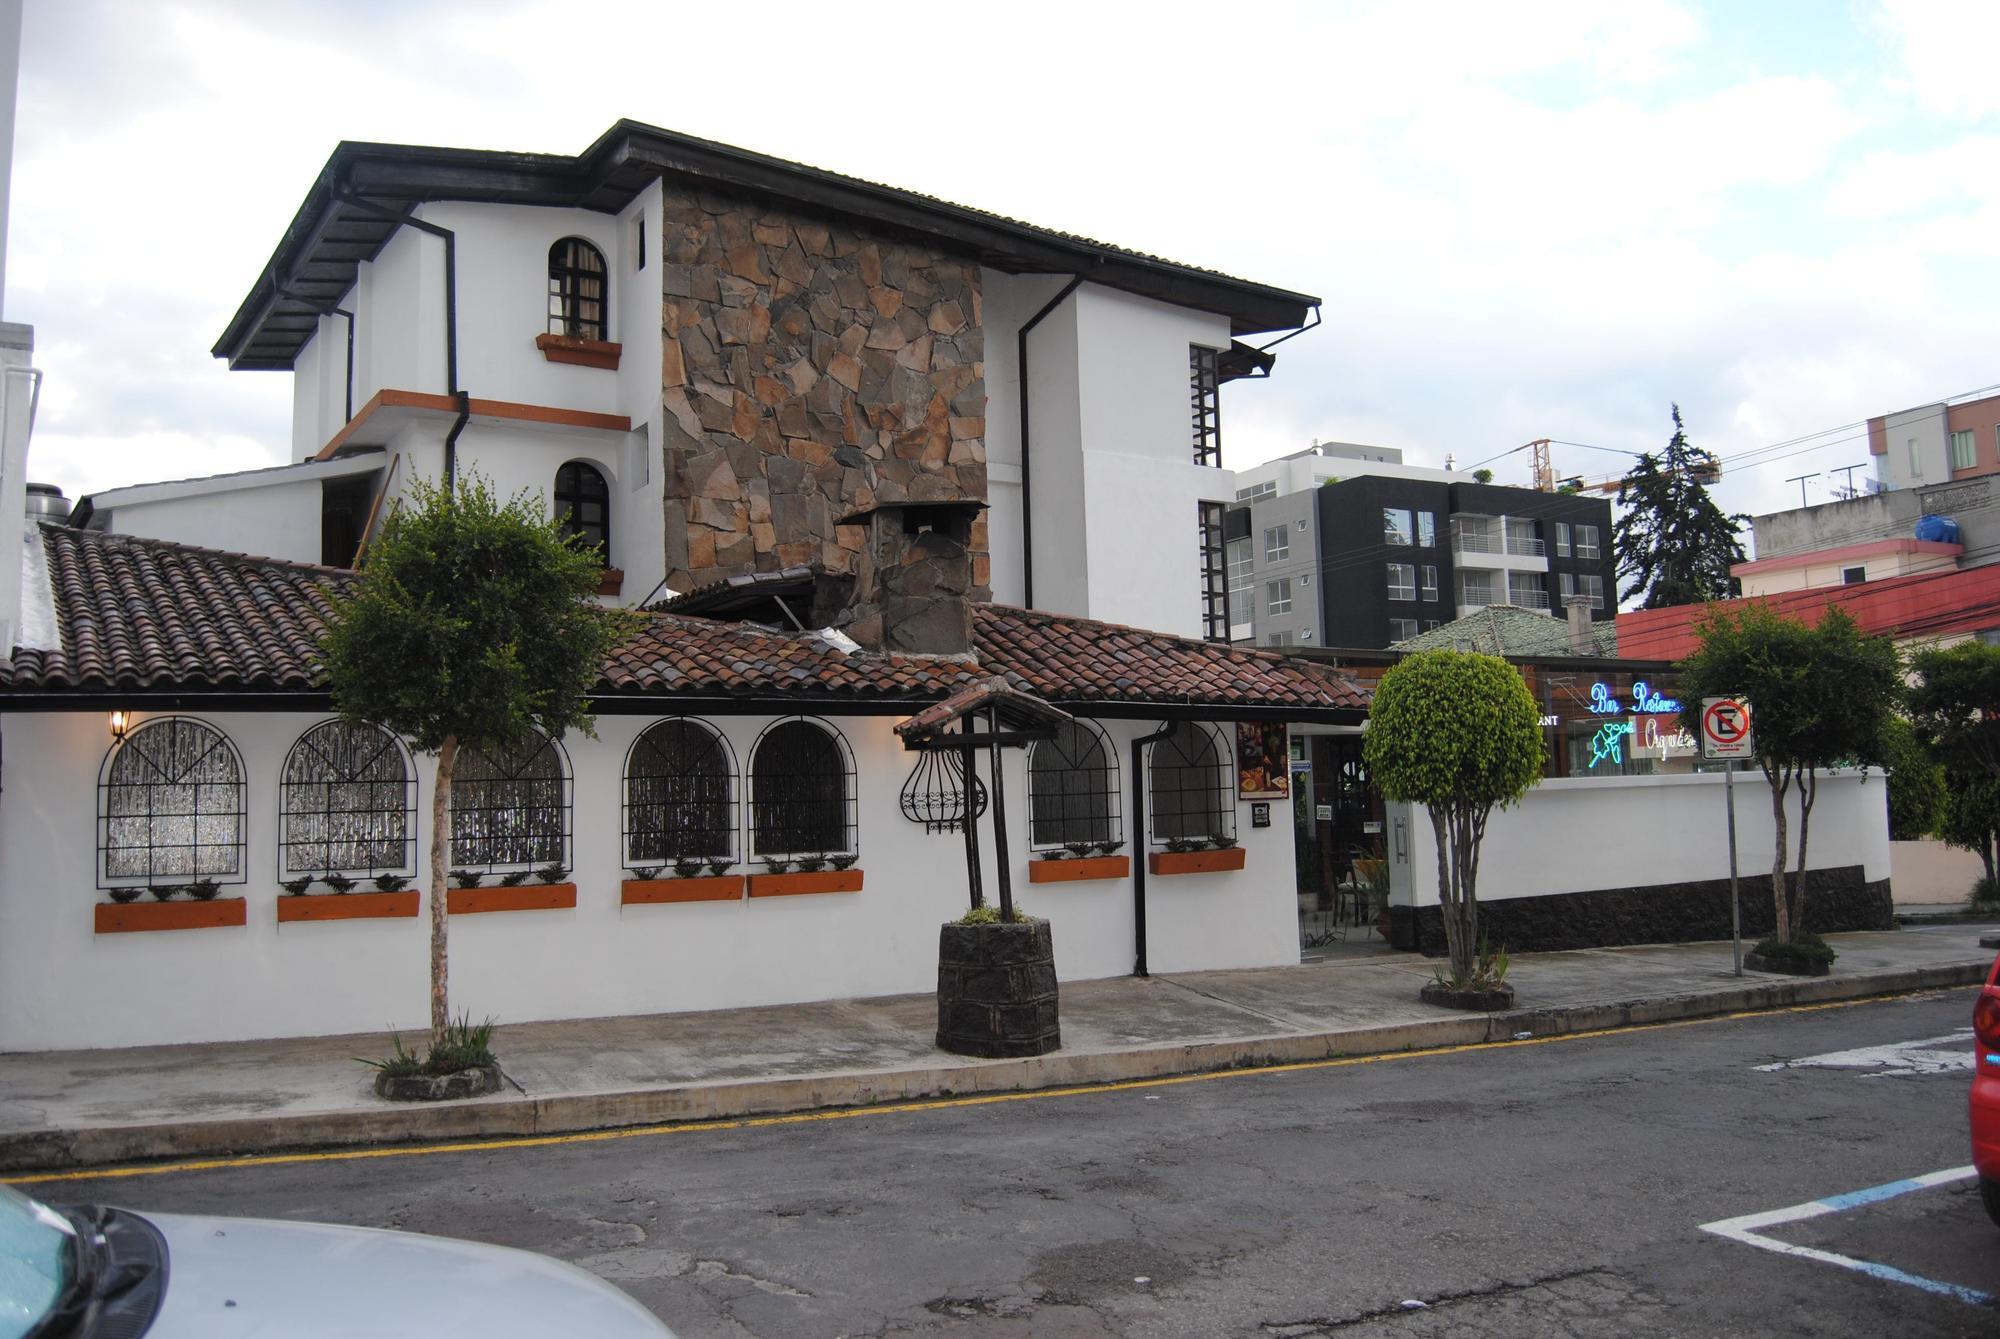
{"type": "Point", "coordinates": [1674, 543]}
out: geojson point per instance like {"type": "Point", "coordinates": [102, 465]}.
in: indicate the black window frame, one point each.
{"type": "Point", "coordinates": [672, 810]}
{"type": "Point", "coordinates": [571, 490]}
{"type": "Point", "coordinates": [1191, 785]}
{"type": "Point", "coordinates": [349, 785]}
{"type": "Point", "coordinates": [1214, 571]}
{"type": "Point", "coordinates": [570, 270]}
{"type": "Point", "coordinates": [138, 800]}
{"type": "Point", "coordinates": [541, 830]}
{"type": "Point", "coordinates": [1073, 790]}
{"type": "Point", "coordinates": [1205, 403]}
{"type": "Point", "coordinates": [778, 831]}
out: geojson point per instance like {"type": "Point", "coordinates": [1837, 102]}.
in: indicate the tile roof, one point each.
{"type": "Point", "coordinates": [1508, 630]}
{"type": "Point", "coordinates": [143, 615]}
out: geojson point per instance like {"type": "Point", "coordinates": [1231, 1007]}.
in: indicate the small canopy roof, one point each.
{"type": "Point", "coordinates": [1013, 708]}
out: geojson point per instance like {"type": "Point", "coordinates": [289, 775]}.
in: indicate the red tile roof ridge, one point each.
{"type": "Point", "coordinates": [1151, 634]}
{"type": "Point", "coordinates": [106, 537]}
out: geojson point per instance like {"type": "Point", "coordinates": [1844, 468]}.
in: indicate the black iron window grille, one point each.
{"type": "Point", "coordinates": [801, 792]}
{"type": "Point", "coordinates": [583, 506]}
{"type": "Point", "coordinates": [1073, 790]}
{"type": "Point", "coordinates": [170, 807]}
{"type": "Point", "coordinates": [680, 795]}
{"type": "Point", "coordinates": [1193, 785]}
{"type": "Point", "coordinates": [1205, 400]}
{"type": "Point", "coordinates": [346, 803]}
{"type": "Point", "coordinates": [576, 289]}
{"type": "Point", "coordinates": [1214, 573]}
{"type": "Point", "coordinates": [511, 806]}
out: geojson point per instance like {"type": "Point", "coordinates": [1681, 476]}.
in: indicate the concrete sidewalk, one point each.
{"type": "Point", "coordinates": [80, 1108]}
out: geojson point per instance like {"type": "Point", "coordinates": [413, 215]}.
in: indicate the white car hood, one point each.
{"type": "Point", "coordinates": [231, 1278]}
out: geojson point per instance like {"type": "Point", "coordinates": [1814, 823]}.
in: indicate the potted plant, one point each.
{"type": "Point", "coordinates": [296, 887]}
{"type": "Point", "coordinates": [340, 883]}
{"type": "Point", "coordinates": [552, 873]}
{"type": "Point", "coordinates": [461, 1064]}
{"type": "Point", "coordinates": [391, 883]}
{"type": "Point", "coordinates": [997, 993]}
{"type": "Point", "coordinates": [204, 890]}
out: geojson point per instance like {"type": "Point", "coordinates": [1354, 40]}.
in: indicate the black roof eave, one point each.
{"type": "Point", "coordinates": [324, 245]}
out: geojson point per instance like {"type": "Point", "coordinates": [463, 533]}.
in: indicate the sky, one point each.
{"type": "Point", "coordinates": [1524, 220]}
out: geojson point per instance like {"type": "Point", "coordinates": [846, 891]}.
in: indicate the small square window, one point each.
{"type": "Point", "coordinates": [1586, 541]}
{"type": "Point", "coordinates": [1402, 629]}
{"type": "Point", "coordinates": [1397, 527]}
{"type": "Point", "coordinates": [1278, 596]}
{"type": "Point", "coordinates": [1964, 455]}
{"type": "Point", "coordinates": [1402, 581]}
{"type": "Point", "coordinates": [1430, 583]}
{"type": "Point", "coordinates": [1277, 544]}
{"type": "Point", "coordinates": [1853, 576]}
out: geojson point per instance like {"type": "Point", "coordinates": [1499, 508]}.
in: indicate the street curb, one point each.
{"type": "Point", "coordinates": [503, 1117]}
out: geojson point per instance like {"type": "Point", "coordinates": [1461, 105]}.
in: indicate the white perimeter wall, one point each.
{"type": "Point", "coordinates": [64, 986]}
{"type": "Point", "coordinates": [1575, 835]}
{"type": "Point", "coordinates": [277, 521]}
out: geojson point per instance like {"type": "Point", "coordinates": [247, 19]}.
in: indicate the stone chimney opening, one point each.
{"type": "Point", "coordinates": [912, 581]}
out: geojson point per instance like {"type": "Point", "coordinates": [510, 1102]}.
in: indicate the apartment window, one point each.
{"type": "Point", "coordinates": [1430, 625]}
{"type": "Point", "coordinates": [583, 506]}
{"type": "Point", "coordinates": [1205, 400]}
{"type": "Point", "coordinates": [1277, 544]}
{"type": "Point", "coordinates": [1278, 596]}
{"type": "Point", "coordinates": [1397, 528]}
{"type": "Point", "coordinates": [1562, 539]}
{"type": "Point", "coordinates": [1402, 629]}
{"type": "Point", "coordinates": [1593, 587]}
{"type": "Point", "coordinates": [1277, 639]}
{"type": "Point", "coordinates": [1853, 576]}
{"type": "Point", "coordinates": [1586, 541]}
{"type": "Point", "coordinates": [1241, 564]}
{"type": "Point", "coordinates": [1427, 526]}
{"type": "Point", "coordinates": [1257, 492]}
{"type": "Point", "coordinates": [1430, 582]}
{"type": "Point", "coordinates": [1475, 589]}
{"type": "Point", "coordinates": [576, 290]}
{"type": "Point", "coordinates": [1963, 453]}
{"type": "Point", "coordinates": [1527, 590]}
{"type": "Point", "coordinates": [1916, 459]}
{"type": "Point", "coordinates": [1402, 581]}
{"type": "Point", "coordinates": [1214, 579]}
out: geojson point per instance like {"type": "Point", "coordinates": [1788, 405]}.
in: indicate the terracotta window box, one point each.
{"type": "Point", "coordinates": [1076, 869]}
{"type": "Point", "coordinates": [524, 897]}
{"type": "Point", "coordinates": [612, 581]}
{"type": "Point", "coordinates": [348, 906]}
{"type": "Point", "coordinates": [582, 352]}
{"type": "Point", "coordinates": [1195, 862]}
{"type": "Point", "coordinates": [121, 917]}
{"type": "Point", "coordinates": [818, 881]}
{"type": "Point", "coordinates": [701, 888]}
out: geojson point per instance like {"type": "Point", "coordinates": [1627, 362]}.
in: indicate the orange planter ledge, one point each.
{"type": "Point", "coordinates": [347, 906]}
{"type": "Point", "coordinates": [121, 917]}
{"type": "Point", "coordinates": [1076, 869]}
{"type": "Point", "coordinates": [1195, 862]}
{"type": "Point", "coordinates": [523, 897]}
{"type": "Point", "coordinates": [700, 888]}
{"type": "Point", "coordinates": [582, 352]}
{"type": "Point", "coordinates": [818, 881]}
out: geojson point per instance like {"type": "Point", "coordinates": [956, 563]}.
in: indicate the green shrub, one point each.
{"type": "Point", "coordinates": [296, 887]}
{"type": "Point", "coordinates": [391, 883]}
{"type": "Point", "coordinates": [988, 914]}
{"type": "Point", "coordinates": [1985, 893]}
{"type": "Point", "coordinates": [340, 883]}
{"type": "Point", "coordinates": [514, 878]}
{"type": "Point", "coordinates": [466, 1045]}
{"type": "Point", "coordinates": [1805, 946]}
{"type": "Point", "coordinates": [552, 873]}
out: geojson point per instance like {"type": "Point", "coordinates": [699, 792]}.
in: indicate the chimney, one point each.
{"type": "Point", "coordinates": [1581, 643]}
{"type": "Point", "coordinates": [913, 579]}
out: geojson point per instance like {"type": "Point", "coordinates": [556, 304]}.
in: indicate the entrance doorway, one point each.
{"type": "Point", "coordinates": [1343, 875]}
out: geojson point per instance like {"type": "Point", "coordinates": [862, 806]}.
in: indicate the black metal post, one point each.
{"type": "Point", "coordinates": [1000, 856]}
{"type": "Point", "coordinates": [1139, 844]}
{"type": "Point", "coordinates": [970, 757]}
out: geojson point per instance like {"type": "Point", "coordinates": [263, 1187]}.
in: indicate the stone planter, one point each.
{"type": "Point", "coordinates": [1078, 869]}
{"type": "Point", "coordinates": [1487, 1001]}
{"type": "Point", "coordinates": [1195, 862]}
{"type": "Point", "coordinates": [521, 897]}
{"type": "Point", "coordinates": [694, 888]}
{"type": "Point", "coordinates": [438, 1087]}
{"type": "Point", "coordinates": [347, 906]}
{"type": "Point", "coordinates": [120, 917]}
{"type": "Point", "coordinates": [997, 990]}
{"type": "Point", "coordinates": [1757, 962]}
{"type": "Point", "coordinates": [580, 352]}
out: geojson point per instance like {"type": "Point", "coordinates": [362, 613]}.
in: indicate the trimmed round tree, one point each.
{"type": "Point", "coordinates": [1459, 734]}
{"type": "Point", "coordinates": [471, 623]}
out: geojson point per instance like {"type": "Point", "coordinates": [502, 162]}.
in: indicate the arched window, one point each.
{"type": "Point", "coordinates": [510, 806]}
{"type": "Point", "coordinates": [1072, 789]}
{"type": "Point", "coordinates": [344, 803]}
{"type": "Point", "coordinates": [576, 289]}
{"type": "Point", "coordinates": [170, 806]}
{"type": "Point", "coordinates": [583, 505]}
{"type": "Point", "coordinates": [680, 795]}
{"type": "Point", "coordinates": [1192, 785]}
{"type": "Point", "coordinates": [801, 792]}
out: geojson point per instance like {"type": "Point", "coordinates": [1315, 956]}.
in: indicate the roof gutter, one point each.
{"type": "Point", "coordinates": [1027, 476]}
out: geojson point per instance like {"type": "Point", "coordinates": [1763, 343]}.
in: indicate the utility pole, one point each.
{"type": "Point", "coordinates": [1800, 480]}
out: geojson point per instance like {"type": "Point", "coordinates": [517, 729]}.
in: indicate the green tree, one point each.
{"type": "Point", "coordinates": [1674, 543]}
{"type": "Point", "coordinates": [1916, 782]}
{"type": "Point", "coordinates": [1458, 733]}
{"type": "Point", "coordinates": [1820, 697]}
{"type": "Point", "coordinates": [1954, 700]}
{"type": "Point", "coordinates": [1970, 816]}
{"type": "Point", "coordinates": [471, 622]}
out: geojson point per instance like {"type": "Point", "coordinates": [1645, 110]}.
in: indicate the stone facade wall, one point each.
{"type": "Point", "coordinates": [809, 371]}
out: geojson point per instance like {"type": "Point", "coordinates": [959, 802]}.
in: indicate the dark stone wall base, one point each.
{"type": "Point", "coordinates": [997, 990]}
{"type": "Point", "coordinates": [1669, 913]}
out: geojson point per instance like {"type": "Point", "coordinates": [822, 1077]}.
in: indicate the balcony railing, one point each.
{"type": "Point", "coordinates": [1530, 599]}
{"type": "Point", "coordinates": [1523, 546]}
{"type": "Point", "coordinates": [1469, 598]}
{"type": "Point", "coordinates": [1473, 541]}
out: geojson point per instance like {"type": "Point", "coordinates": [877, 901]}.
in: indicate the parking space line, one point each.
{"type": "Point", "coordinates": [1747, 1229]}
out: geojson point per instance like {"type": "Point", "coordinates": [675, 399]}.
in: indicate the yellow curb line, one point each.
{"type": "Point", "coordinates": [901, 1108]}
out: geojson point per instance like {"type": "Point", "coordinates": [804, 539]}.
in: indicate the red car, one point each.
{"type": "Point", "coordinates": [1986, 1092]}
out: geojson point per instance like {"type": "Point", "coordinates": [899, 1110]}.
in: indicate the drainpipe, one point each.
{"type": "Point", "coordinates": [301, 298]}
{"type": "Point", "coordinates": [1027, 493]}
{"type": "Point", "coordinates": [450, 240]}
{"type": "Point", "coordinates": [1139, 845]}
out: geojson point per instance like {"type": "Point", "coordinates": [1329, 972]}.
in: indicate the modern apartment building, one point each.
{"type": "Point", "coordinates": [1346, 546]}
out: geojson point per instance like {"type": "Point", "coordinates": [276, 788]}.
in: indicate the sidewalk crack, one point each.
{"type": "Point", "coordinates": [1289, 1025]}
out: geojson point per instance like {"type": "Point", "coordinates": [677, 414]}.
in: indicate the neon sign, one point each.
{"type": "Point", "coordinates": [1603, 702]}
{"type": "Point", "coordinates": [1608, 743]}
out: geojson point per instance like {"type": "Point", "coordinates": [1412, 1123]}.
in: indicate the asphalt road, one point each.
{"type": "Point", "coordinates": [1537, 1190]}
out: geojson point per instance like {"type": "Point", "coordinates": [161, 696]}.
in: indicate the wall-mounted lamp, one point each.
{"type": "Point", "coordinates": [120, 721]}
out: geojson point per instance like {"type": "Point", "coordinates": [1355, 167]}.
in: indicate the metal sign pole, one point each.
{"type": "Point", "coordinates": [1735, 903]}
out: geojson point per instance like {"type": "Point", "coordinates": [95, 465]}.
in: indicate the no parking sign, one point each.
{"type": "Point", "coordinates": [1725, 728]}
